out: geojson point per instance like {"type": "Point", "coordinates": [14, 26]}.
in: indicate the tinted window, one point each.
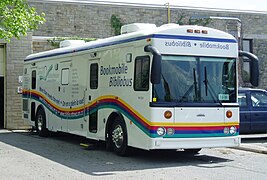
{"type": "Point", "coordinates": [259, 99]}
{"type": "Point", "coordinates": [242, 99]}
{"type": "Point", "coordinates": [94, 76]}
{"type": "Point", "coordinates": [34, 79]}
{"type": "Point", "coordinates": [141, 74]}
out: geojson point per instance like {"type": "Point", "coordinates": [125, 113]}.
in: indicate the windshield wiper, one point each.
{"type": "Point", "coordinates": [193, 86]}
{"type": "Point", "coordinates": [209, 88]}
{"type": "Point", "coordinates": [167, 96]}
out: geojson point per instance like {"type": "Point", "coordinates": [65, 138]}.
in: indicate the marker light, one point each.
{"type": "Point", "coordinates": [226, 130]}
{"type": "Point", "coordinates": [229, 114]}
{"type": "Point", "coordinates": [190, 30]}
{"type": "Point", "coordinates": [197, 31]}
{"type": "Point", "coordinates": [204, 32]}
{"type": "Point", "coordinates": [167, 114]}
{"type": "Point", "coordinates": [161, 131]}
{"type": "Point", "coordinates": [170, 131]}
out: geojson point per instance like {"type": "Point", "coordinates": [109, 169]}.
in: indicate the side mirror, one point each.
{"type": "Point", "coordinates": [253, 67]}
{"type": "Point", "coordinates": [156, 64]}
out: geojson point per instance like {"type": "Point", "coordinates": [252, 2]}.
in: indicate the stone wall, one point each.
{"type": "Point", "coordinates": [93, 20]}
{"type": "Point", "coordinates": [16, 51]}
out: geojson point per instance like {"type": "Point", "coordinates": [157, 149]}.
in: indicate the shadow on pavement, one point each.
{"type": "Point", "coordinates": [65, 149]}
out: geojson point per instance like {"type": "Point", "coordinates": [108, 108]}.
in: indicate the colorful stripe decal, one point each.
{"type": "Point", "coordinates": [181, 130]}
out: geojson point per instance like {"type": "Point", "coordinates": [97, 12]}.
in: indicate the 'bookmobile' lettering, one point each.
{"type": "Point", "coordinates": [117, 81]}
{"type": "Point", "coordinates": [110, 70]}
{"type": "Point", "coordinates": [214, 46]}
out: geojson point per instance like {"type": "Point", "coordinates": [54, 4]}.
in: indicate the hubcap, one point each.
{"type": "Point", "coordinates": [39, 122]}
{"type": "Point", "coordinates": [117, 136]}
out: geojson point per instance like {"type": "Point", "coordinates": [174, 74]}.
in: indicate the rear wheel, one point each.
{"type": "Point", "coordinates": [119, 137]}
{"type": "Point", "coordinates": [40, 123]}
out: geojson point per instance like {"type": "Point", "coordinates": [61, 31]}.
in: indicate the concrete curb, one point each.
{"type": "Point", "coordinates": [252, 148]}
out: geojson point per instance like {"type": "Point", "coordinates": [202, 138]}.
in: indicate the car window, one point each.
{"type": "Point", "coordinates": [259, 99]}
{"type": "Point", "coordinates": [242, 99]}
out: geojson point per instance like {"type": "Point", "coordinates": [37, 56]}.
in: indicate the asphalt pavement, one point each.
{"type": "Point", "coordinates": [249, 142]}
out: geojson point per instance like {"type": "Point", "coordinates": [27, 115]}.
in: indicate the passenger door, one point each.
{"type": "Point", "coordinates": [91, 95]}
{"type": "Point", "coordinates": [33, 84]}
{"type": "Point", "coordinates": [64, 93]}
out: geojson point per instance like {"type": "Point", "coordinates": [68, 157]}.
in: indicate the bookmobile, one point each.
{"type": "Point", "coordinates": [167, 87]}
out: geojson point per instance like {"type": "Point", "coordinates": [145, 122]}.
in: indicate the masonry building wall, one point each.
{"type": "Point", "coordinates": [93, 21]}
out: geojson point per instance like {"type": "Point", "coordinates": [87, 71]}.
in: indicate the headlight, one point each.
{"type": "Point", "coordinates": [232, 130]}
{"type": "Point", "coordinates": [161, 131]}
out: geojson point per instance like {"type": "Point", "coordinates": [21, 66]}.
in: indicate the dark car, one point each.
{"type": "Point", "coordinates": [253, 110]}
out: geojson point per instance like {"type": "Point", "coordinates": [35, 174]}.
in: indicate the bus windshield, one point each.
{"type": "Point", "coordinates": [187, 79]}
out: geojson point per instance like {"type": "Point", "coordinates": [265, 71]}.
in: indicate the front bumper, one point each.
{"type": "Point", "coordinates": [194, 143]}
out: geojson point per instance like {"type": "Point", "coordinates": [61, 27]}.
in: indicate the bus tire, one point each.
{"type": "Point", "coordinates": [40, 123]}
{"type": "Point", "coordinates": [119, 137]}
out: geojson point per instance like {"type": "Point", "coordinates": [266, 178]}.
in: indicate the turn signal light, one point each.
{"type": "Point", "coordinates": [229, 114]}
{"type": "Point", "coordinates": [167, 114]}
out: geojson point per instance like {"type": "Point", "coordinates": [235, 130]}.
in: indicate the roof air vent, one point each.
{"type": "Point", "coordinates": [67, 43]}
{"type": "Point", "coordinates": [129, 28]}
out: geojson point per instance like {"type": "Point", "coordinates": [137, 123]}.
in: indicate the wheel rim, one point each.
{"type": "Point", "coordinates": [40, 122]}
{"type": "Point", "coordinates": [117, 136]}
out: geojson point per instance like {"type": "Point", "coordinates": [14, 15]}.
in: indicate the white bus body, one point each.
{"type": "Point", "coordinates": [104, 90]}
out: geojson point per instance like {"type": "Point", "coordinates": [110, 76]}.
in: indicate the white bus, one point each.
{"type": "Point", "coordinates": [168, 87]}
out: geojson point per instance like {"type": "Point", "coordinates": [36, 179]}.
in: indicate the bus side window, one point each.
{"type": "Point", "coordinates": [94, 76]}
{"type": "Point", "coordinates": [34, 79]}
{"type": "Point", "coordinates": [65, 76]}
{"type": "Point", "coordinates": [141, 74]}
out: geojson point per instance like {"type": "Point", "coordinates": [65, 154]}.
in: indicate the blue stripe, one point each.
{"type": "Point", "coordinates": [193, 131]}
{"type": "Point", "coordinates": [159, 36]}
{"type": "Point", "coordinates": [196, 38]}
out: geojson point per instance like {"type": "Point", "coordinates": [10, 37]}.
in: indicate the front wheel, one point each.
{"type": "Point", "coordinates": [40, 123]}
{"type": "Point", "coordinates": [119, 137]}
